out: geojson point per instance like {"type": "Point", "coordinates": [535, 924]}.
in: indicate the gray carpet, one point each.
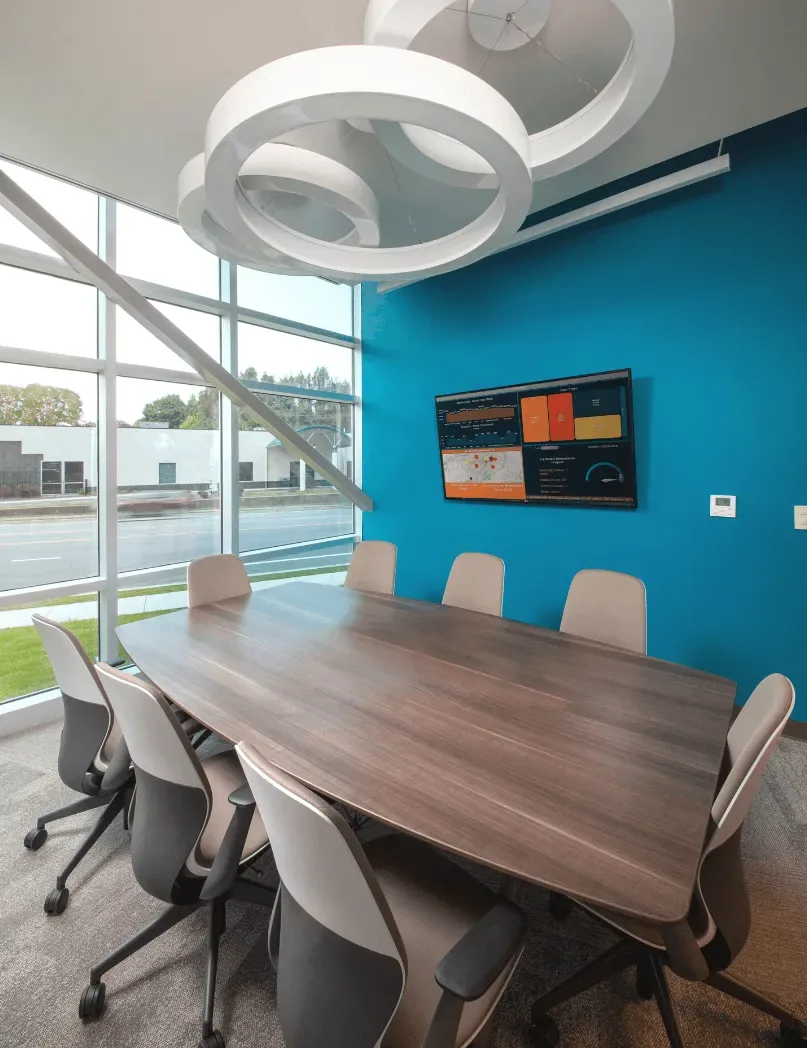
{"type": "Point", "coordinates": [155, 998]}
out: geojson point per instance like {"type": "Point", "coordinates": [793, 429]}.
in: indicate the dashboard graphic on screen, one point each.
{"type": "Point", "coordinates": [568, 441]}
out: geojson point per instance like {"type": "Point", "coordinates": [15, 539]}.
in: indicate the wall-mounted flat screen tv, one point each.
{"type": "Point", "coordinates": [568, 442]}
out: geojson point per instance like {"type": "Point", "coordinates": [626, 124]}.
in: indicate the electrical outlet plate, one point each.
{"type": "Point", "coordinates": [800, 515]}
{"type": "Point", "coordinates": [722, 505]}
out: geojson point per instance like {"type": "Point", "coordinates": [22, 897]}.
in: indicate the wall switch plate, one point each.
{"type": "Point", "coordinates": [800, 514]}
{"type": "Point", "coordinates": [722, 505]}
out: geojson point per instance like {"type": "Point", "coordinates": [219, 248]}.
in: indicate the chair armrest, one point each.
{"type": "Point", "coordinates": [228, 861]}
{"type": "Point", "coordinates": [119, 770]}
{"type": "Point", "coordinates": [473, 965]}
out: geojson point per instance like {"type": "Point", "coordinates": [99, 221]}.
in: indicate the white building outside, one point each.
{"type": "Point", "coordinates": [51, 460]}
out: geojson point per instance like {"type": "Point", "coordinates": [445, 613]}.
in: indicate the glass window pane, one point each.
{"type": "Point", "coordinates": [157, 249]}
{"type": "Point", "coordinates": [292, 360]}
{"type": "Point", "coordinates": [146, 602]}
{"type": "Point", "coordinates": [169, 472]}
{"type": "Point", "coordinates": [47, 313]}
{"type": "Point", "coordinates": [74, 207]}
{"type": "Point", "coordinates": [24, 666]}
{"type": "Point", "coordinates": [48, 431]}
{"type": "Point", "coordinates": [135, 345]}
{"type": "Point", "coordinates": [328, 566]}
{"type": "Point", "coordinates": [308, 300]}
{"type": "Point", "coordinates": [286, 501]}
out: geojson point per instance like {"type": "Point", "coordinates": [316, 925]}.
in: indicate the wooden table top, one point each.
{"type": "Point", "coordinates": [575, 765]}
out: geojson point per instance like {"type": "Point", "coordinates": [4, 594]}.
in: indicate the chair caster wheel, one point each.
{"type": "Point", "coordinates": [213, 1040]}
{"type": "Point", "coordinates": [793, 1036]}
{"type": "Point", "coordinates": [92, 1002]}
{"type": "Point", "coordinates": [559, 906]}
{"type": "Point", "coordinates": [543, 1033]}
{"type": "Point", "coordinates": [56, 901]}
{"type": "Point", "coordinates": [34, 839]}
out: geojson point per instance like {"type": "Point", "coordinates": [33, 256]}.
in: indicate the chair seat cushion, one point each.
{"type": "Point", "coordinates": [434, 904]}
{"type": "Point", "coordinates": [224, 774]}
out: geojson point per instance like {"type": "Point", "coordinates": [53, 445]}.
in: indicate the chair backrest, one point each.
{"type": "Point", "coordinates": [88, 716]}
{"type": "Point", "coordinates": [372, 567]}
{"type": "Point", "coordinates": [609, 607]}
{"type": "Point", "coordinates": [476, 583]}
{"type": "Point", "coordinates": [338, 941]}
{"type": "Point", "coordinates": [750, 745]}
{"type": "Point", "coordinates": [217, 577]}
{"type": "Point", "coordinates": [173, 795]}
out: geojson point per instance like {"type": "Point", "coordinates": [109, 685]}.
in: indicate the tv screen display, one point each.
{"type": "Point", "coordinates": [567, 441]}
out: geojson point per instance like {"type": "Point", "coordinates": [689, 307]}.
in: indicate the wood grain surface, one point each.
{"type": "Point", "coordinates": [571, 764]}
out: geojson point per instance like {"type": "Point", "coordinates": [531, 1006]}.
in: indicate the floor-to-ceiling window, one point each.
{"type": "Point", "coordinates": [118, 464]}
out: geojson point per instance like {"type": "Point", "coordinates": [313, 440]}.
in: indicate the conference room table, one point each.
{"type": "Point", "coordinates": [556, 760]}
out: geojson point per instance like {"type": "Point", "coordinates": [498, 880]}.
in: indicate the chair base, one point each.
{"type": "Point", "coordinates": [112, 803]}
{"type": "Point", "coordinates": [93, 998]}
{"type": "Point", "coordinates": [651, 981]}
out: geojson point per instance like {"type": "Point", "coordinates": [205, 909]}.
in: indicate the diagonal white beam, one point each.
{"type": "Point", "coordinates": [34, 217]}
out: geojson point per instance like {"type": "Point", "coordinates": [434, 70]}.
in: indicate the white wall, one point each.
{"type": "Point", "coordinates": [59, 444]}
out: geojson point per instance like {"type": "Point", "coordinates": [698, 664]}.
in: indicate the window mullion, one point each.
{"type": "Point", "coordinates": [107, 446]}
{"type": "Point", "coordinates": [229, 413]}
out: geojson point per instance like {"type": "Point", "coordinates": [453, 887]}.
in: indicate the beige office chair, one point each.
{"type": "Point", "coordinates": [386, 946]}
{"type": "Point", "coordinates": [195, 832]}
{"type": "Point", "coordinates": [92, 760]}
{"type": "Point", "coordinates": [719, 918]}
{"type": "Point", "coordinates": [372, 567]}
{"type": "Point", "coordinates": [609, 607]}
{"type": "Point", "coordinates": [476, 583]}
{"type": "Point", "coordinates": [217, 577]}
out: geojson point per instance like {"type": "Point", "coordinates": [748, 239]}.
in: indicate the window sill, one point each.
{"type": "Point", "coordinates": [30, 712]}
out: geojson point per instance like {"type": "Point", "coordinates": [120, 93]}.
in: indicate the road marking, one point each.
{"type": "Point", "coordinates": [41, 542]}
{"type": "Point", "coordinates": [29, 560]}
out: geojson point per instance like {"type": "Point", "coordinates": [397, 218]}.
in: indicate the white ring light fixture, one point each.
{"type": "Point", "coordinates": [396, 23]}
{"type": "Point", "coordinates": [278, 168]}
{"type": "Point", "coordinates": [441, 121]}
{"type": "Point", "coordinates": [336, 83]}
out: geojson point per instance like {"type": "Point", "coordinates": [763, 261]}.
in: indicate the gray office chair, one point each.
{"type": "Point", "coordinates": [391, 945]}
{"type": "Point", "coordinates": [92, 760]}
{"type": "Point", "coordinates": [476, 582]}
{"type": "Point", "coordinates": [720, 919]}
{"type": "Point", "coordinates": [189, 846]}
{"type": "Point", "coordinates": [372, 567]}
{"type": "Point", "coordinates": [217, 577]}
{"type": "Point", "coordinates": [609, 607]}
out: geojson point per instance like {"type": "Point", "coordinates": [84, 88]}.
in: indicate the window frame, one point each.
{"type": "Point", "coordinates": [110, 581]}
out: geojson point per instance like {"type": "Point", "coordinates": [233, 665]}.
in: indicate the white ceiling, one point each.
{"type": "Point", "coordinates": [116, 95]}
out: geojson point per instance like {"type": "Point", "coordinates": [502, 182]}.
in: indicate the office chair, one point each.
{"type": "Point", "coordinates": [391, 944]}
{"type": "Point", "coordinates": [719, 919]}
{"type": "Point", "coordinates": [92, 759]}
{"type": "Point", "coordinates": [609, 607]}
{"type": "Point", "coordinates": [217, 577]}
{"type": "Point", "coordinates": [476, 583]}
{"type": "Point", "coordinates": [372, 567]}
{"type": "Point", "coordinates": [189, 846]}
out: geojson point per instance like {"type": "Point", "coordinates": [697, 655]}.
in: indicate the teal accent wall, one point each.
{"type": "Point", "coordinates": [703, 293]}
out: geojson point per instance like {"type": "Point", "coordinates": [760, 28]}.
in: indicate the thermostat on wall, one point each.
{"type": "Point", "coordinates": [722, 505]}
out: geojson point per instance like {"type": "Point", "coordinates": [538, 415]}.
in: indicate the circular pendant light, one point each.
{"type": "Point", "coordinates": [337, 83]}
{"type": "Point", "coordinates": [620, 104]}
